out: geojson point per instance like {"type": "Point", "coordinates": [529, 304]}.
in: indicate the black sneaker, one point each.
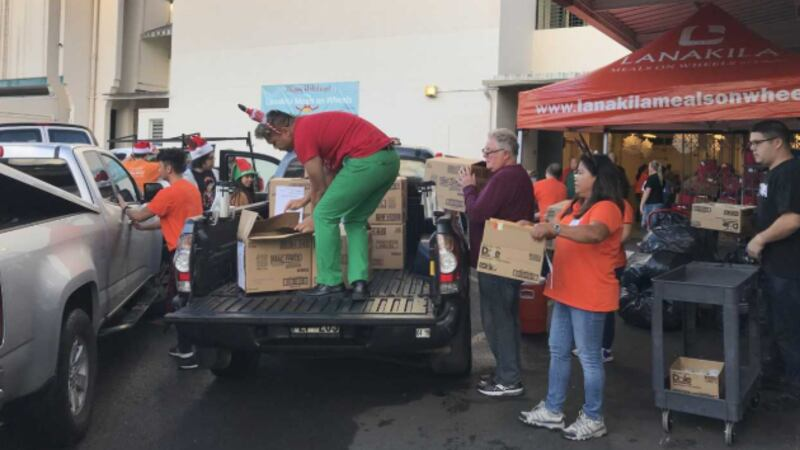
{"type": "Point", "coordinates": [189, 364]}
{"type": "Point", "coordinates": [499, 390]}
{"type": "Point", "coordinates": [360, 290]}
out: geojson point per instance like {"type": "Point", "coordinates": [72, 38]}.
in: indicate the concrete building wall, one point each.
{"type": "Point", "coordinates": [565, 52]}
{"type": "Point", "coordinates": [223, 54]}
{"type": "Point", "coordinates": [23, 37]}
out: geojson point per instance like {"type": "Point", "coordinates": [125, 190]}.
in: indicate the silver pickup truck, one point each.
{"type": "Point", "coordinates": [72, 268]}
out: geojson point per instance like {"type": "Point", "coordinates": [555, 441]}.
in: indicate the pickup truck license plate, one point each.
{"type": "Point", "coordinates": [322, 331]}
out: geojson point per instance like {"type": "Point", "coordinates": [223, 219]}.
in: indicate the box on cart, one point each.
{"type": "Point", "coordinates": [724, 217]}
{"type": "Point", "coordinates": [697, 376]}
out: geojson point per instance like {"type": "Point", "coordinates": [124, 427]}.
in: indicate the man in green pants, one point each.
{"type": "Point", "coordinates": [351, 165]}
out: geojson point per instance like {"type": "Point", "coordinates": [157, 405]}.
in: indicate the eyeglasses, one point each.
{"type": "Point", "coordinates": [757, 142]}
{"type": "Point", "coordinates": [487, 151]}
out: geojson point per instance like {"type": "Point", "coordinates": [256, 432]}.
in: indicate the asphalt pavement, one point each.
{"type": "Point", "coordinates": [290, 402]}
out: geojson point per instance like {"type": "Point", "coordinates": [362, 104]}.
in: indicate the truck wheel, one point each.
{"type": "Point", "coordinates": [67, 402]}
{"type": "Point", "coordinates": [235, 364]}
{"type": "Point", "coordinates": [458, 362]}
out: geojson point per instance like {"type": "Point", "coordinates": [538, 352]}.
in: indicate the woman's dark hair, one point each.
{"type": "Point", "coordinates": [173, 157]}
{"type": "Point", "coordinates": [606, 186]}
{"type": "Point", "coordinates": [198, 163]}
{"type": "Point", "coordinates": [248, 191]}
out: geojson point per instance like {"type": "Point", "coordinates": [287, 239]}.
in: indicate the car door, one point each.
{"type": "Point", "coordinates": [265, 166]}
{"type": "Point", "coordinates": [144, 246]}
{"type": "Point", "coordinates": [113, 267]}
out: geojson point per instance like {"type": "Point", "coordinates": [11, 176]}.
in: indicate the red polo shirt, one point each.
{"type": "Point", "coordinates": [332, 136]}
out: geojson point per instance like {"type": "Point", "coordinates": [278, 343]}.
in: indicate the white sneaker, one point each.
{"type": "Point", "coordinates": [585, 428]}
{"type": "Point", "coordinates": [542, 417]}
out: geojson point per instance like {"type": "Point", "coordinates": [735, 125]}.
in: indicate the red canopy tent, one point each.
{"type": "Point", "coordinates": [710, 69]}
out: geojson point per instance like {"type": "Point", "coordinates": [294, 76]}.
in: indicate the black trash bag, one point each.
{"type": "Point", "coordinates": [636, 308]}
{"type": "Point", "coordinates": [670, 231]}
{"type": "Point", "coordinates": [643, 268]}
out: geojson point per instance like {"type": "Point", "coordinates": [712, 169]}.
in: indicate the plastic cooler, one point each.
{"type": "Point", "coordinates": [532, 309]}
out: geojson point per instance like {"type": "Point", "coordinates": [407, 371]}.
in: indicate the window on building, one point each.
{"type": "Point", "coordinates": [156, 128]}
{"type": "Point", "coordinates": [552, 15]}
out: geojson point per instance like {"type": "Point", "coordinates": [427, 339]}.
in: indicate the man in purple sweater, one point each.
{"type": "Point", "coordinates": [506, 196]}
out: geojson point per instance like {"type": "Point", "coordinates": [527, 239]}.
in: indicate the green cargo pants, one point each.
{"type": "Point", "coordinates": [354, 194]}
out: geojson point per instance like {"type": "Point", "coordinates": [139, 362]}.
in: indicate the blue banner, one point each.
{"type": "Point", "coordinates": [309, 98]}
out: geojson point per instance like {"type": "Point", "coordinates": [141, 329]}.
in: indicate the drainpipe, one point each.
{"type": "Point", "coordinates": [93, 63]}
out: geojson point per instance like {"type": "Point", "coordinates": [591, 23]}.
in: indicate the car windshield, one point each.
{"type": "Point", "coordinates": [20, 135]}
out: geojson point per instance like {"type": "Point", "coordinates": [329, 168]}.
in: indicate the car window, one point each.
{"type": "Point", "coordinates": [122, 181]}
{"type": "Point", "coordinates": [21, 135]}
{"type": "Point", "coordinates": [64, 136]}
{"type": "Point", "coordinates": [264, 168]}
{"type": "Point", "coordinates": [100, 176]}
{"type": "Point", "coordinates": [53, 171]}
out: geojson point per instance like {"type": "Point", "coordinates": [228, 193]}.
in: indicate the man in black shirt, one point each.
{"type": "Point", "coordinates": [777, 244]}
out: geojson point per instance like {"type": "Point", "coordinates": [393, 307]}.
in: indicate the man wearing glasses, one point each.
{"type": "Point", "coordinates": [506, 196]}
{"type": "Point", "coordinates": [777, 245]}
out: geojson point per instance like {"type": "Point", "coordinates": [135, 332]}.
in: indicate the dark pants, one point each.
{"type": "Point", "coordinates": [500, 318]}
{"type": "Point", "coordinates": [783, 307]}
{"type": "Point", "coordinates": [608, 328]}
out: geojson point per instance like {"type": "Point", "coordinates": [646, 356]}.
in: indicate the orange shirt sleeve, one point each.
{"type": "Point", "coordinates": [627, 217]}
{"type": "Point", "coordinates": [162, 203]}
{"type": "Point", "coordinates": [608, 214]}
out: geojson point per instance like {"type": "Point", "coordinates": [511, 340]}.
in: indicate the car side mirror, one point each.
{"type": "Point", "coordinates": [150, 191]}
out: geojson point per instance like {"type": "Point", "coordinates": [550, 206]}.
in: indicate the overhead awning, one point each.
{"type": "Point", "coordinates": [635, 23]}
{"type": "Point", "coordinates": [709, 69]}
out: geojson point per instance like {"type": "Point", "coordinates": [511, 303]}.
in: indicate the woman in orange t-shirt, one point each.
{"type": "Point", "coordinates": [584, 289]}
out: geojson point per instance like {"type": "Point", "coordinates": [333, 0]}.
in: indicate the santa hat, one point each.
{"type": "Point", "coordinates": [142, 148]}
{"type": "Point", "coordinates": [258, 116]}
{"type": "Point", "coordinates": [199, 147]}
{"type": "Point", "coordinates": [242, 168]}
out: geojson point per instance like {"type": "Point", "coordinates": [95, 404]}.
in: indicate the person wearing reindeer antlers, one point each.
{"type": "Point", "coordinates": [351, 165]}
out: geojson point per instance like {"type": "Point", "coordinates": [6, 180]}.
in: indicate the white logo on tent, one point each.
{"type": "Point", "coordinates": [686, 39]}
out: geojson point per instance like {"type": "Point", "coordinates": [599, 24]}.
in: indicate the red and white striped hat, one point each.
{"type": "Point", "coordinates": [142, 148]}
{"type": "Point", "coordinates": [199, 147]}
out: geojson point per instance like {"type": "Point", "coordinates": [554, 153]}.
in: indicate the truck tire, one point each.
{"type": "Point", "coordinates": [458, 362]}
{"type": "Point", "coordinates": [234, 364]}
{"type": "Point", "coordinates": [66, 405]}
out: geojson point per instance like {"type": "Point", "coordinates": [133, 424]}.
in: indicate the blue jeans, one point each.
{"type": "Point", "coordinates": [783, 306]}
{"type": "Point", "coordinates": [500, 318]}
{"type": "Point", "coordinates": [647, 210]}
{"type": "Point", "coordinates": [570, 325]}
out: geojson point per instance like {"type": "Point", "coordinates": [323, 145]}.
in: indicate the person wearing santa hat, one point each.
{"type": "Point", "coordinates": [142, 170]}
{"type": "Point", "coordinates": [243, 176]}
{"type": "Point", "coordinates": [351, 165]}
{"type": "Point", "coordinates": [201, 171]}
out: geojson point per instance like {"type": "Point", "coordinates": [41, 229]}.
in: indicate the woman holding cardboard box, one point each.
{"type": "Point", "coordinates": [351, 165]}
{"type": "Point", "coordinates": [584, 288]}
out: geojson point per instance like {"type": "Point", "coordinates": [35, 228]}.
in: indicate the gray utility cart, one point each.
{"type": "Point", "coordinates": [734, 287]}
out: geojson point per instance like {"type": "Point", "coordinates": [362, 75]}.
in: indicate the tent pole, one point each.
{"type": "Point", "coordinates": [605, 142]}
{"type": "Point", "coordinates": [519, 143]}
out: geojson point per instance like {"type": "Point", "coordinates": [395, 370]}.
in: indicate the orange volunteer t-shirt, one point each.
{"type": "Point", "coordinates": [627, 219]}
{"type": "Point", "coordinates": [173, 205]}
{"type": "Point", "coordinates": [142, 171]}
{"type": "Point", "coordinates": [548, 192]}
{"type": "Point", "coordinates": [583, 274]}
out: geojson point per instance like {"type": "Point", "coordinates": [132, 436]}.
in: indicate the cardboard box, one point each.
{"type": "Point", "coordinates": [392, 208]}
{"type": "Point", "coordinates": [555, 210]}
{"type": "Point", "coordinates": [444, 172]}
{"type": "Point", "coordinates": [343, 257]}
{"type": "Point", "coordinates": [553, 215]}
{"type": "Point", "coordinates": [697, 376]}
{"type": "Point", "coordinates": [388, 246]}
{"type": "Point", "coordinates": [724, 217]}
{"type": "Point", "coordinates": [271, 256]}
{"type": "Point", "coordinates": [284, 190]}
{"type": "Point", "coordinates": [507, 250]}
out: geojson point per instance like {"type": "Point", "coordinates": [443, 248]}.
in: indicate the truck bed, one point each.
{"type": "Point", "coordinates": [396, 296]}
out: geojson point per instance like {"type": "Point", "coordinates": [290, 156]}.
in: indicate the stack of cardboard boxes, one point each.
{"type": "Point", "coordinates": [284, 190]}
{"type": "Point", "coordinates": [388, 225]}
